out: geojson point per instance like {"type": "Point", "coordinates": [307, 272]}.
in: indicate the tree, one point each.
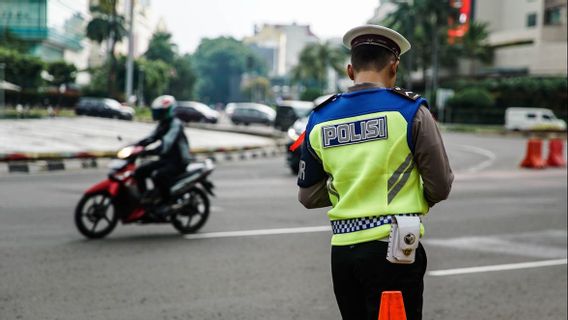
{"type": "Point", "coordinates": [426, 21]}
{"type": "Point", "coordinates": [182, 82]}
{"type": "Point", "coordinates": [155, 80]}
{"type": "Point", "coordinates": [161, 48]}
{"type": "Point", "coordinates": [315, 61]}
{"type": "Point", "coordinates": [473, 45]}
{"type": "Point", "coordinates": [220, 63]}
{"type": "Point", "coordinates": [22, 69]}
{"type": "Point", "coordinates": [10, 41]}
{"type": "Point", "coordinates": [107, 25]}
{"type": "Point", "coordinates": [62, 72]}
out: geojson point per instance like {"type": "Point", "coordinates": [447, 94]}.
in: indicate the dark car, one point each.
{"type": "Point", "coordinates": [248, 113]}
{"type": "Point", "coordinates": [288, 111]}
{"type": "Point", "coordinates": [103, 107]}
{"type": "Point", "coordinates": [192, 111]}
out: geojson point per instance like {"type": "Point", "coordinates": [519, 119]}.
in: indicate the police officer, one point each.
{"type": "Point", "coordinates": [375, 155]}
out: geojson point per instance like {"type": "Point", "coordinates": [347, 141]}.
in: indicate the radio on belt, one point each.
{"type": "Point", "coordinates": [403, 239]}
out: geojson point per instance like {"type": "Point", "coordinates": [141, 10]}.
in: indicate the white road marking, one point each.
{"type": "Point", "coordinates": [259, 232]}
{"type": "Point", "coordinates": [484, 152]}
{"type": "Point", "coordinates": [499, 267]}
{"type": "Point", "coordinates": [535, 244]}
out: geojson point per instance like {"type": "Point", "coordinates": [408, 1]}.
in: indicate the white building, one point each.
{"type": "Point", "coordinates": [143, 30]}
{"type": "Point", "coordinates": [528, 35]}
{"type": "Point", "coordinates": [280, 45]}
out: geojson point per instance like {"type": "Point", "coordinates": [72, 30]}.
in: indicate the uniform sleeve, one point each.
{"type": "Point", "coordinates": [311, 169]}
{"type": "Point", "coordinates": [431, 158]}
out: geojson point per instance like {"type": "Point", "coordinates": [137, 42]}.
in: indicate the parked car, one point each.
{"type": "Point", "coordinates": [103, 107]}
{"type": "Point", "coordinates": [189, 111]}
{"type": "Point", "coordinates": [248, 112]}
{"type": "Point", "coordinates": [521, 119]}
{"type": "Point", "coordinates": [288, 111]}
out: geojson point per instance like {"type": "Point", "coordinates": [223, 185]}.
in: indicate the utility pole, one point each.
{"type": "Point", "coordinates": [130, 60]}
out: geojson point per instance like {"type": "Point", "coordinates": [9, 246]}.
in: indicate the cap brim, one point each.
{"type": "Point", "coordinates": [400, 40]}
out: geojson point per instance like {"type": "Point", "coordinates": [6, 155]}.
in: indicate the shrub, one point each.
{"type": "Point", "coordinates": [471, 98]}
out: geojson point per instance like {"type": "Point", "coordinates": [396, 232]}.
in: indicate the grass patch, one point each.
{"type": "Point", "coordinates": [34, 113]}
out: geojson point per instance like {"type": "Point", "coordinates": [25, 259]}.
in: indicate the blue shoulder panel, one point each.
{"type": "Point", "coordinates": [369, 101]}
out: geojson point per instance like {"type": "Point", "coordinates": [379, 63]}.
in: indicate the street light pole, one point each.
{"type": "Point", "coordinates": [2, 100]}
{"type": "Point", "coordinates": [130, 60]}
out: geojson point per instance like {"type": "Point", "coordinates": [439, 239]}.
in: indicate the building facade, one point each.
{"type": "Point", "coordinates": [280, 45]}
{"type": "Point", "coordinates": [55, 30]}
{"type": "Point", "coordinates": [529, 36]}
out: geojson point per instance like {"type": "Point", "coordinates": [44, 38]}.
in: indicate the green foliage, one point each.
{"type": "Point", "coordinates": [310, 94]}
{"type": "Point", "coordinates": [220, 62]}
{"type": "Point", "coordinates": [421, 22]}
{"type": "Point", "coordinates": [156, 75]}
{"type": "Point", "coordinates": [62, 72]}
{"type": "Point", "coordinates": [106, 24]}
{"type": "Point", "coordinates": [156, 78]}
{"type": "Point", "coordinates": [21, 69]}
{"type": "Point", "coordinates": [314, 62]}
{"type": "Point", "coordinates": [162, 48]}
{"type": "Point", "coordinates": [527, 92]}
{"type": "Point", "coordinates": [471, 98]}
{"type": "Point", "coordinates": [182, 82]}
{"type": "Point", "coordinates": [8, 40]}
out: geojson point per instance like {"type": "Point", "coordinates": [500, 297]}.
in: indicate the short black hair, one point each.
{"type": "Point", "coordinates": [370, 57]}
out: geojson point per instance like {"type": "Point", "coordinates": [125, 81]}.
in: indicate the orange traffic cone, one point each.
{"type": "Point", "coordinates": [392, 306]}
{"type": "Point", "coordinates": [533, 159]}
{"type": "Point", "coordinates": [556, 153]}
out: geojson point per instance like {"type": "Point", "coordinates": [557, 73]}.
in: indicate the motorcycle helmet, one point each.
{"type": "Point", "coordinates": [163, 107]}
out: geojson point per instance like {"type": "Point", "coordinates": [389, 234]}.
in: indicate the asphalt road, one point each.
{"type": "Point", "coordinates": [497, 215]}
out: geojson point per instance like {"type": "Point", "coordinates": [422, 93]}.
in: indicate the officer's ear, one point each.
{"type": "Point", "coordinates": [350, 72]}
{"type": "Point", "coordinates": [394, 67]}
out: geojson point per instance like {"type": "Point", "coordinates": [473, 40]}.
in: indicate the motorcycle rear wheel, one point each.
{"type": "Point", "coordinates": [194, 214]}
{"type": "Point", "coordinates": [93, 209]}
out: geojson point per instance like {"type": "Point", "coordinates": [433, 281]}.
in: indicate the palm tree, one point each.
{"type": "Point", "coordinates": [107, 25]}
{"type": "Point", "coordinates": [473, 45]}
{"type": "Point", "coordinates": [426, 22]}
{"type": "Point", "coordinates": [315, 61]}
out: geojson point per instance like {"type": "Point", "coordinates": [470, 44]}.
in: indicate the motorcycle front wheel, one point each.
{"type": "Point", "coordinates": [95, 216]}
{"type": "Point", "coordinates": [194, 213]}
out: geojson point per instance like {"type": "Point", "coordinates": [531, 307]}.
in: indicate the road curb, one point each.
{"type": "Point", "coordinates": [42, 162]}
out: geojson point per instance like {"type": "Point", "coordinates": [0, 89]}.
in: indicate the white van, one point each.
{"type": "Point", "coordinates": [532, 119]}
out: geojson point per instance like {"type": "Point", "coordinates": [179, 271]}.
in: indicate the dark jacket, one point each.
{"type": "Point", "coordinates": [174, 145]}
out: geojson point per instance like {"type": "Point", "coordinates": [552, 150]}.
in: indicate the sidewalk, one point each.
{"type": "Point", "coordinates": [85, 137]}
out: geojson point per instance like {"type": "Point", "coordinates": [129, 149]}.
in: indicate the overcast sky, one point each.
{"type": "Point", "coordinates": [191, 20]}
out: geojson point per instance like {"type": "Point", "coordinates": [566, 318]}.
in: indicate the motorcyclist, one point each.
{"type": "Point", "coordinates": [173, 152]}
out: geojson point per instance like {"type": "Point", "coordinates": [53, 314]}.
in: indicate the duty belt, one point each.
{"type": "Point", "coordinates": [358, 224]}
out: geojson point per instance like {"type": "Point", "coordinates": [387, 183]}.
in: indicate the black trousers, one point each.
{"type": "Point", "coordinates": [162, 172]}
{"type": "Point", "coordinates": [361, 273]}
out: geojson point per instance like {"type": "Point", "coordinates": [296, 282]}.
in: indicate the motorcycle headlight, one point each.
{"type": "Point", "coordinates": [292, 134]}
{"type": "Point", "coordinates": [124, 152]}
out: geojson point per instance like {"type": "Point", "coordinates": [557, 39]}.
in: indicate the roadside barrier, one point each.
{"type": "Point", "coordinates": [52, 161]}
{"type": "Point", "coordinates": [556, 153]}
{"type": "Point", "coordinates": [392, 306]}
{"type": "Point", "coordinates": [533, 158]}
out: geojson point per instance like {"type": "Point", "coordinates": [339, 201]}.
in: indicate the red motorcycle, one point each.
{"type": "Point", "coordinates": [117, 198]}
